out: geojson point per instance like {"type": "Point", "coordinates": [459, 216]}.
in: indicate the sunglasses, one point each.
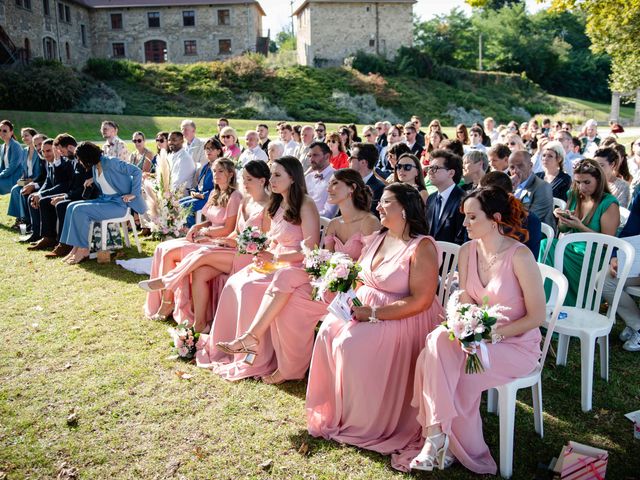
{"type": "Point", "coordinates": [161, 140]}
{"type": "Point", "coordinates": [139, 140]}
{"type": "Point", "coordinates": [368, 134]}
{"type": "Point", "coordinates": [320, 130]}
{"type": "Point", "coordinates": [4, 131]}
{"type": "Point", "coordinates": [226, 136]}
{"type": "Point", "coordinates": [405, 166]}
{"type": "Point", "coordinates": [435, 168]}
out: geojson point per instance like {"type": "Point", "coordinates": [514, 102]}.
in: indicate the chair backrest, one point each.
{"type": "Point", "coordinates": [549, 234]}
{"type": "Point", "coordinates": [324, 223]}
{"type": "Point", "coordinates": [199, 216]}
{"type": "Point", "coordinates": [624, 216]}
{"type": "Point", "coordinates": [448, 268]}
{"type": "Point", "coordinates": [559, 203]}
{"type": "Point", "coordinates": [560, 286]}
{"type": "Point", "coordinates": [594, 267]}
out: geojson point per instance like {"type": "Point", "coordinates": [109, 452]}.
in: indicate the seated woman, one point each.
{"type": "Point", "coordinates": [33, 170]}
{"type": "Point", "coordinates": [361, 376]}
{"type": "Point", "coordinates": [554, 174]}
{"type": "Point", "coordinates": [198, 196]}
{"type": "Point", "coordinates": [214, 259]}
{"type": "Point", "coordinates": [287, 311]}
{"type": "Point", "coordinates": [393, 154]}
{"type": "Point", "coordinates": [291, 217]}
{"type": "Point", "coordinates": [220, 212]}
{"type": "Point", "coordinates": [590, 208]}
{"type": "Point", "coordinates": [229, 140]}
{"type": "Point", "coordinates": [494, 266]}
{"type": "Point", "coordinates": [475, 165]}
{"type": "Point", "coordinates": [408, 170]}
{"type": "Point", "coordinates": [608, 159]}
{"type": "Point", "coordinates": [119, 184]}
{"type": "Point", "coordinates": [339, 158]}
{"type": "Point", "coordinates": [142, 157]}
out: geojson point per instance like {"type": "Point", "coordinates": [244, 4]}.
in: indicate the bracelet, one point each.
{"type": "Point", "coordinates": [373, 318]}
{"type": "Point", "coordinates": [496, 338]}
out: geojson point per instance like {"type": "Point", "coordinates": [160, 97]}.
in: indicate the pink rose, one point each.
{"type": "Point", "coordinates": [252, 247]}
{"type": "Point", "coordinates": [341, 271]}
{"type": "Point", "coordinates": [255, 234]}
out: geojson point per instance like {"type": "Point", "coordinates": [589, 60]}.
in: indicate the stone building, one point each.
{"type": "Point", "coordinates": [178, 31]}
{"type": "Point", "coordinates": [331, 30]}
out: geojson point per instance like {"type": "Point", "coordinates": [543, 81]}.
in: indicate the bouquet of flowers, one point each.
{"type": "Point", "coordinates": [338, 274]}
{"type": "Point", "coordinates": [472, 325]}
{"type": "Point", "coordinates": [184, 340]}
{"type": "Point", "coordinates": [251, 240]}
{"type": "Point", "coordinates": [314, 260]}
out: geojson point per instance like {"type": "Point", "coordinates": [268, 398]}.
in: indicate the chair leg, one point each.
{"type": "Point", "coordinates": [103, 236]}
{"type": "Point", "coordinates": [90, 234]}
{"type": "Point", "coordinates": [563, 349]}
{"type": "Point", "coordinates": [125, 234]}
{"type": "Point", "coordinates": [536, 395]}
{"type": "Point", "coordinates": [587, 358]}
{"type": "Point", "coordinates": [135, 233]}
{"type": "Point", "coordinates": [507, 406]}
{"type": "Point", "coordinates": [492, 400]}
{"type": "Point", "coordinates": [603, 343]}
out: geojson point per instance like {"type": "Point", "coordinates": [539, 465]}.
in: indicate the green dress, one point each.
{"type": "Point", "coordinates": [574, 253]}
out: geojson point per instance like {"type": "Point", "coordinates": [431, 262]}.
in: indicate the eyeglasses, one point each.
{"type": "Point", "coordinates": [137, 140]}
{"type": "Point", "coordinates": [226, 136]}
{"type": "Point", "coordinates": [161, 140]}
{"type": "Point", "coordinates": [320, 130]}
{"type": "Point", "coordinates": [405, 166]}
{"type": "Point", "coordinates": [435, 168]}
{"type": "Point", "coordinates": [368, 134]}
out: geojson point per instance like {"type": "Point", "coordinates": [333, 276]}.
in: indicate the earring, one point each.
{"type": "Point", "coordinates": [404, 215]}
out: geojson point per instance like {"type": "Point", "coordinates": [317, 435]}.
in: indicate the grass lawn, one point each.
{"type": "Point", "coordinates": [75, 340]}
{"type": "Point", "coordinates": [588, 109]}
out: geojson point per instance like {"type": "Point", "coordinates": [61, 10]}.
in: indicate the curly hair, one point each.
{"type": "Point", "coordinates": [362, 195]}
{"type": "Point", "coordinates": [512, 212]}
{"type": "Point", "coordinates": [219, 198]}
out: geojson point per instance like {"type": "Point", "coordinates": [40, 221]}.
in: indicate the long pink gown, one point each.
{"type": "Point", "coordinates": [178, 279]}
{"type": "Point", "coordinates": [446, 395]}
{"type": "Point", "coordinates": [361, 376]}
{"type": "Point", "coordinates": [217, 216]}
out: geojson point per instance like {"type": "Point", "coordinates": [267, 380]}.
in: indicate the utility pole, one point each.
{"type": "Point", "coordinates": [480, 52]}
{"type": "Point", "coordinates": [291, 3]}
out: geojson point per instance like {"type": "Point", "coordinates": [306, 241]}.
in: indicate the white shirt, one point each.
{"type": "Point", "coordinates": [480, 147]}
{"type": "Point", "coordinates": [183, 169]}
{"type": "Point", "coordinates": [366, 179]}
{"type": "Point", "coordinates": [445, 196]}
{"type": "Point", "coordinates": [290, 148]}
{"type": "Point", "coordinates": [5, 159]}
{"type": "Point", "coordinates": [104, 185]}
{"type": "Point", "coordinates": [255, 153]}
{"type": "Point", "coordinates": [317, 190]}
{"type": "Point", "coordinates": [493, 136]}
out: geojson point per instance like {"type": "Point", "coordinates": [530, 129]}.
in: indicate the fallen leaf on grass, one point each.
{"type": "Point", "coordinates": [267, 465]}
{"type": "Point", "coordinates": [184, 375]}
{"type": "Point", "coordinates": [198, 452]}
{"type": "Point", "coordinates": [67, 472]}
{"type": "Point", "coordinates": [304, 448]}
{"type": "Point", "coordinates": [72, 419]}
{"type": "Point", "coordinates": [38, 308]}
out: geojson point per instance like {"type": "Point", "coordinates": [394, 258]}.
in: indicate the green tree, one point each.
{"type": "Point", "coordinates": [285, 40]}
{"type": "Point", "coordinates": [492, 4]}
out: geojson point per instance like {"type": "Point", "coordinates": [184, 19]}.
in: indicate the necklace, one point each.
{"type": "Point", "coordinates": [492, 260]}
{"type": "Point", "coordinates": [347, 222]}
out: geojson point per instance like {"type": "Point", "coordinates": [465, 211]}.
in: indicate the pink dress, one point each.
{"type": "Point", "coordinates": [447, 396]}
{"type": "Point", "coordinates": [361, 376]}
{"type": "Point", "coordinates": [178, 279]}
{"type": "Point", "coordinates": [217, 216]}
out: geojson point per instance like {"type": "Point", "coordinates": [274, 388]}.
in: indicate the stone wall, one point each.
{"type": "Point", "coordinates": [32, 28]}
{"type": "Point", "coordinates": [332, 31]}
{"type": "Point", "coordinates": [243, 29]}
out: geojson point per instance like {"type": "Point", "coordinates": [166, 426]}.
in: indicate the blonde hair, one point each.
{"type": "Point", "coordinates": [229, 131]}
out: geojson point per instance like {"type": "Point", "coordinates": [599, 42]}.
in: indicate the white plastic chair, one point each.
{"type": "Point", "coordinates": [624, 216]}
{"type": "Point", "coordinates": [633, 291]}
{"type": "Point", "coordinates": [199, 216]}
{"type": "Point", "coordinates": [122, 222]}
{"type": "Point", "coordinates": [449, 266]}
{"type": "Point", "coordinates": [549, 234]}
{"type": "Point", "coordinates": [324, 223]}
{"type": "Point", "coordinates": [559, 203]}
{"type": "Point", "coordinates": [585, 320]}
{"type": "Point", "coordinates": [505, 400]}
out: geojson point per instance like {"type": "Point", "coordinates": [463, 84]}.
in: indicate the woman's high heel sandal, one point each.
{"type": "Point", "coordinates": [250, 351]}
{"type": "Point", "coordinates": [158, 317]}
{"type": "Point", "coordinates": [433, 456]}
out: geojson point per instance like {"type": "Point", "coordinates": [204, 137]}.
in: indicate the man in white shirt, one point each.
{"type": "Point", "coordinates": [194, 145]}
{"type": "Point", "coordinates": [302, 153]}
{"type": "Point", "coordinates": [317, 179]}
{"type": "Point", "coordinates": [570, 157]}
{"type": "Point", "coordinates": [490, 130]}
{"type": "Point", "coordinates": [286, 137]}
{"type": "Point", "coordinates": [114, 147]}
{"type": "Point", "coordinates": [475, 140]}
{"type": "Point", "coordinates": [254, 150]}
{"type": "Point", "coordinates": [183, 168]}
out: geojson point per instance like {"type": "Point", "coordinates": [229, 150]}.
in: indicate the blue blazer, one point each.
{"type": "Point", "coordinates": [37, 163]}
{"type": "Point", "coordinates": [205, 178]}
{"type": "Point", "coordinates": [16, 158]}
{"type": "Point", "coordinates": [124, 178]}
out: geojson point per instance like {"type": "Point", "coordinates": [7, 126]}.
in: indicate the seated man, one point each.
{"type": "Point", "coordinates": [33, 176]}
{"type": "Point", "coordinates": [317, 179]}
{"type": "Point", "coordinates": [443, 215]}
{"type": "Point", "coordinates": [363, 159]}
{"type": "Point", "coordinates": [254, 150]}
{"type": "Point", "coordinates": [183, 168]}
{"type": "Point", "coordinates": [532, 191]}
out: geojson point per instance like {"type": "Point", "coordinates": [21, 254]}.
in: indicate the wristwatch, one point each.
{"type": "Point", "coordinates": [373, 318]}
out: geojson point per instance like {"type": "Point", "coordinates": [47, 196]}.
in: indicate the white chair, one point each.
{"type": "Point", "coordinates": [122, 222]}
{"type": "Point", "coordinates": [633, 291]}
{"type": "Point", "coordinates": [199, 216]}
{"type": "Point", "coordinates": [324, 223]}
{"type": "Point", "coordinates": [505, 400]}
{"type": "Point", "coordinates": [585, 320]}
{"type": "Point", "coordinates": [549, 234]}
{"type": "Point", "coordinates": [449, 266]}
{"type": "Point", "coordinates": [624, 216]}
{"type": "Point", "coordinates": [559, 203]}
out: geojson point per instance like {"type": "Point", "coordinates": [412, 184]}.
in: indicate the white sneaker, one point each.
{"type": "Point", "coordinates": [626, 334]}
{"type": "Point", "coordinates": [633, 344]}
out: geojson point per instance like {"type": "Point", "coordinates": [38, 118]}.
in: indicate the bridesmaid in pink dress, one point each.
{"type": "Point", "coordinates": [361, 376]}
{"type": "Point", "coordinates": [292, 217]}
{"type": "Point", "coordinates": [495, 265]}
{"type": "Point", "coordinates": [220, 211]}
{"type": "Point", "coordinates": [287, 311]}
{"type": "Point", "coordinates": [195, 296]}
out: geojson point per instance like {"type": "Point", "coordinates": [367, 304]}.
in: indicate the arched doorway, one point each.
{"type": "Point", "coordinates": [155, 51]}
{"type": "Point", "coordinates": [49, 48]}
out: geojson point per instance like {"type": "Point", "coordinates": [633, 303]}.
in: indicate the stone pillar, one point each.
{"type": "Point", "coordinates": [636, 117]}
{"type": "Point", "coordinates": [615, 107]}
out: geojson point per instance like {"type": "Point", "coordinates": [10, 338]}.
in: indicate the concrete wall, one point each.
{"type": "Point", "coordinates": [331, 31]}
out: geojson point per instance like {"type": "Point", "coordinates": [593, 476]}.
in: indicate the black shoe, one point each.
{"type": "Point", "coordinates": [30, 239]}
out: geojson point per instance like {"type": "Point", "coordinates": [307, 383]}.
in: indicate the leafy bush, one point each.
{"type": "Point", "coordinates": [411, 61]}
{"type": "Point", "coordinates": [99, 98]}
{"type": "Point", "coordinates": [367, 63]}
{"type": "Point", "coordinates": [461, 115]}
{"type": "Point", "coordinates": [107, 69]}
{"type": "Point", "coordinates": [263, 109]}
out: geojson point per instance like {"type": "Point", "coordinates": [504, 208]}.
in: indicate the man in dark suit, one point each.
{"type": "Point", "coordinates": [532, 191]}
{"type": "Point", "coordinates": [363, 159]}
{"type": "Point", "coordinates": [420, 138]}
{"type": "Point", "coordinates": [411, 134]}
{"type": "Point", "coordinates": [58, 180]}
{"type": "Point", "coordinates": [444, 218]}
